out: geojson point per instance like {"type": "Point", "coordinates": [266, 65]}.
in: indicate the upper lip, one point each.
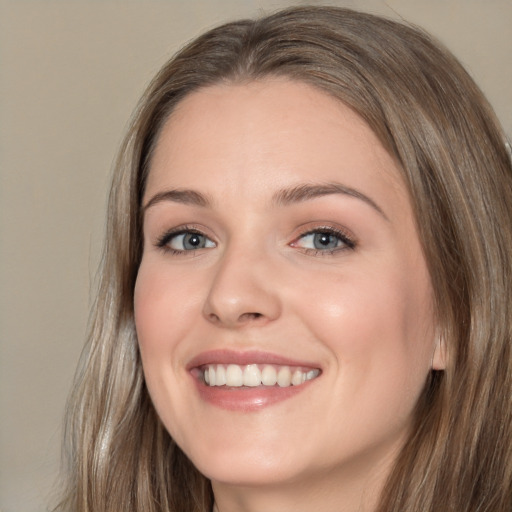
{"type": "Point", "coordinates": [223, 356]}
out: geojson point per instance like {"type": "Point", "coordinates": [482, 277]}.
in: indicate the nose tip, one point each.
{"type": "Point", "coordinates": [240, 296]}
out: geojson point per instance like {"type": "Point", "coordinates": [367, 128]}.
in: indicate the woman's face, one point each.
{"type": "Point", "coordinates": [279, 244]}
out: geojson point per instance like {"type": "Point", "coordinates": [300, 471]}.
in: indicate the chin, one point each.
{"type": "Point", "coordinates": [247, 467]}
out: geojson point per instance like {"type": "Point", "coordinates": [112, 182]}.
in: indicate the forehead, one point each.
{"type": "Point", "coordinates": [273, 131]}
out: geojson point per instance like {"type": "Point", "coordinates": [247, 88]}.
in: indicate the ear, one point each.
{"type": "Point", "coordinates": [440, 356]}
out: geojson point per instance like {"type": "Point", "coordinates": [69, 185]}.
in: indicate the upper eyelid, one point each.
{"type": "Point", "coordinates": [311, 228]}
{"type": "Point", "coordinates": [349, 241]}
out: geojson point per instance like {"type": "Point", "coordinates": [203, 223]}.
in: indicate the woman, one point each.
{"type": "Point", "coordinates": [305, 291]}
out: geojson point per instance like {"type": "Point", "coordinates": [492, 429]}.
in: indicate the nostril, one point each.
{"type": "Point", "coordinates": [213, 318]}
{"type": "Point", "coordinates": [242, 319]}
{"type": "Point", "coordinates": [249, 316]}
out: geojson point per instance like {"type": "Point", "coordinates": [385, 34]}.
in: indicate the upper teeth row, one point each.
{"type": "Point", "coordinates": [251, 375]}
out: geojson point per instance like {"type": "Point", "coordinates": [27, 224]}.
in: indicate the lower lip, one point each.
{"type": "Point", "coordinates": [247, 399]}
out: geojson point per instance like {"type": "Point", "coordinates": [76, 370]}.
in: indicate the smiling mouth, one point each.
{"type": "Point", "coordinates": [255, 375]}
{"type": "Point", "coordinates": [248, 381]}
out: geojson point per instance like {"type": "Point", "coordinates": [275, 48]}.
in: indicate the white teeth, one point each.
{"type": "Point", "coordinates": [220, 376]}
{"type": "Point", "coordinates": [297, 377]}
{"type": "Point", "coordinates": [211, 374]}
{"type": "Point", "coordinates": [234, 376]}
{"type": "Point", "coordinates": [252, 375]}
{"type": "Point", "coordinates": [284, 377]}
{"type": "Point", "coordinates": [268, 376]}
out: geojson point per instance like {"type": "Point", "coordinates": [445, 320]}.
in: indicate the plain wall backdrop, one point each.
{"type": "Point", "coordinates": [70, 74]}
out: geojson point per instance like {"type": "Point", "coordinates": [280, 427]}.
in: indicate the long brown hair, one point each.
{"type": "Point", "coordinates": [432, 118]}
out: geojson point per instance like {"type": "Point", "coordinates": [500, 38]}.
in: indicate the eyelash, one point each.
{"type": "Point", "coordinates": [347, 241]}
{"type": "Point", "coordinates": [164, 241]}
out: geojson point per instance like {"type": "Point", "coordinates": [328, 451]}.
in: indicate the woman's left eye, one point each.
{"type": "Point", "coordinates": [323, 240]}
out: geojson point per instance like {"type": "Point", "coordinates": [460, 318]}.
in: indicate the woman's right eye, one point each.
{"type": "Point", "coordinates": [184, 241]}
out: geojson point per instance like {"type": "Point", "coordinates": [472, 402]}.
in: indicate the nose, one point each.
{"type": "Point", "coordinates": [243, 291]}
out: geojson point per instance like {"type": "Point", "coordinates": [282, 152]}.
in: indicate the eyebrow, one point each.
{"type": "Point", "coordinates": [184, 196]}
{"type": "Point", "coordinates": [308, 191]}
{"type": "Point", "coordinates": [297, 194]}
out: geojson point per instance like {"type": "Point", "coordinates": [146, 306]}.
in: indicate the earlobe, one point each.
{"type": "Point", "coordinates": [439, 356]}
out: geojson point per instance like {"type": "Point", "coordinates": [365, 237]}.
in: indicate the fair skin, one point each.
{"type": "Point", "coordinates": [278, 233]}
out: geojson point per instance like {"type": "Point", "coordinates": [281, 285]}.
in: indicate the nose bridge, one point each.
{"type": "Point", "coordinates": [242, 289]}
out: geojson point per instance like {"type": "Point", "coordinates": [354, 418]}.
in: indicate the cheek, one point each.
{"type": "Point", "coordinates": [163, 306]}
{"type": "Point", "coordinates": [151, 303]}
{"type": "Point", "coordinates": [165, 310]}
{"type": "Point", "coordinates": [378, 327]}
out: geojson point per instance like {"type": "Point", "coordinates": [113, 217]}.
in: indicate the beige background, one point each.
{"type": "Point", "coordinates": [70, 73]}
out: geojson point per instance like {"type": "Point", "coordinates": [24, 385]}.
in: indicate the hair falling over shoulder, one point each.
{"type": "Point", "coordinates": [432, 118]}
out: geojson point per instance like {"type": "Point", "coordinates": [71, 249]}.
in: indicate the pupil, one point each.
{"type": "Point", "coordinates": [192, 241]}
{"type": "Point", "coordinates": [324, 241]}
